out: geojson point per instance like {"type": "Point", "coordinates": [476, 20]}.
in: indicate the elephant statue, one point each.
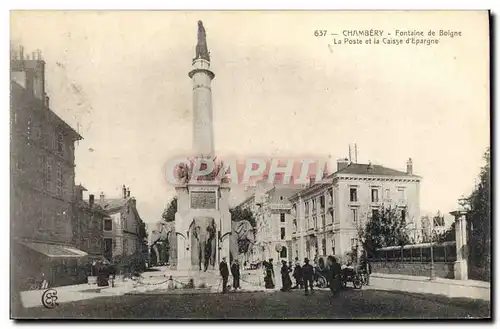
{"type": "Point", "coordinates": [164, 233]}
{"type": "Point", "coordinates": [203, 241]}
{"type": "Point", "coordinates": [242, 238]}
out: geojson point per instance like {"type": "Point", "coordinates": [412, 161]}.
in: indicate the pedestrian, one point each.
{"type": "Point", "coordinates": [285, 277]}
{"type": "Point", "coordinates": [112, 274]}
{"type": "Point", "coordinates": [308, 275]}
{"type": "Point", "coordinates": [297, 275]}
{"type": "Point", "coordinates": [334, 273]}
{"type": "Point", "coordinates": [269, 271]}
{"type": "Point", "coordinates": [235, 271]}
{"type": "Point", "coordinates": [224, 272]}
{"type": "Point", "coordinates": [366, 268]}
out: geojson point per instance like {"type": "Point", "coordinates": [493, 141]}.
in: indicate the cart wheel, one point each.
{"type": "Point", "coordinates": [357, 283]}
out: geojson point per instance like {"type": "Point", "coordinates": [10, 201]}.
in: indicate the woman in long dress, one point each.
{"type": "Point", "coordinates": [285, 277]}
{"type": "Point", "coordinates": [269, 278]}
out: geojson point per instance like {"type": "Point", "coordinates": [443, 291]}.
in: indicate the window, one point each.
{"type": "Point", "coordinates": [322, 201]}
{"type": "Point", "coordinates": [60, 143]}
{"type": "Point", "coordinates": [401, 194]}
{"type": "Point", "coordinates": [354, 213]}
{"type": "Point", "coordinates": [282, 233]}
{"type": "Point", "coordinates": [387, 194]}
{"type": "Point", "coordinates": [283, 252]}
{"type": "Point", "coordinates": [282, 217]}
{"type": "Point", "coordinates": [307, 207]}
{"type": "Point", "coordinates": [108, 225]}
{"type": "Point", "coordinates": [375, 214]}
{"type": "Point", "coordinates": [332, 213]}
{"type": "Point", "coordinates": [59, 180]}
{"type": "Point", "coordinates": [281, 198]}
{"type": "Point", "coordinates": [374, 194]}
{"type": "Point", "coordinates": [403, 214]}
{"type": "Point", "coordinates": [323, 245]}
{"type": "Point", "coordinates": [333, 246]}
{"type": "Point", "coordinates": [323, 221]}
{"type": "Point", "coordinates": [354, 194]}
{"type": "Point", "coordinates": [125, 246]}
{"type": "Point", "coordinates": [48, 173]}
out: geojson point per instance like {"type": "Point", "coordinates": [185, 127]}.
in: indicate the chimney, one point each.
{"type": "Point", "coordinates": [312, 180]}
{"type": "Point", "coordinates": [128, 192]}
{"type": "Point", "coordinates": [342, 163]}
{"type": "Point", "coordinates": [124, 192]}
{"type": "Point", "coordinates": [91, 200]}
{"type": "Point", "coordinates": [102, 197]}
{"type": "Point", "coordinates": [29, 72]}
{"type": "Point", "coordinates": [409, 167]}
{"type": "Point", "coordinates": [370, 166]}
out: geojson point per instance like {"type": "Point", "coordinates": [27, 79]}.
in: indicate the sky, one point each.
{"type": "Point", "coordinates": [122, 79]}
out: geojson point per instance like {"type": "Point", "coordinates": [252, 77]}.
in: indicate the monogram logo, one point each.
{"type": "Point", "coordinates": [49, 298]}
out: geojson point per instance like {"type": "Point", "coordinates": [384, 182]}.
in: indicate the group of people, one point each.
{"type": "Point", "coordinates": [224, 272]}
{"type": "Point", "coordinates": [304, 275]}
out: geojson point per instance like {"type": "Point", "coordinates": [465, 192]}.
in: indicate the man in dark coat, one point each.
{"type": "Point", "coordinates": [297, 275]}
{"type": "Point", "coordinates": [308, 275]}
{"type": "Point", "coordinates": [334, 273]}
{"type": "Point", "coordinates": [224, 272]}
{"type": "Point", "coordinates": [235, 271]}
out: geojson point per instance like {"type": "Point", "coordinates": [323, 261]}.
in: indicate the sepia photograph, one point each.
{"type": "Point", "coordinates": [242, 165]}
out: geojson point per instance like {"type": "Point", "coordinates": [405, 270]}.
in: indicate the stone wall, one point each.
{"type": "Point", "coordinates": [442, 270]}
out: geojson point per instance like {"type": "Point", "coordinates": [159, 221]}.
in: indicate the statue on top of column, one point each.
{"type": "Point", "coordinates": [201, 47]}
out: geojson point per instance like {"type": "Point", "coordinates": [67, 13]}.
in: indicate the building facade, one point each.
{"type": "Point", "coordinates": [88, 225]}
{"type": "Point", "coordinates": [328, 215]}
{"type": "Point", "coordinates": [272, 209]}
{"type": "Point", "coordinates": [124, 232]}
{"type": "Point", "coordinates": [42, 178]}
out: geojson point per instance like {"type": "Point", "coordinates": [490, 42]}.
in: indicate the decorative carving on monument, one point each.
{"type": "Point", "coordinates": [203, 241]}
{"type": "Point", "coordinates": [242, 238]}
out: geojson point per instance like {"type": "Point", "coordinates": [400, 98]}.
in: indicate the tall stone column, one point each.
{"type": "Point", "coordinates": [461, 264]}
{"type": "Point", "coordinates": [202, 76]}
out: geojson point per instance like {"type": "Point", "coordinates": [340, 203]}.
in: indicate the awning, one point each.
{"type": "Point", "coordinates": [54, 250]}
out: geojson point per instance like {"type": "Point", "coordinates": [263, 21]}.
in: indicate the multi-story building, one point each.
{"type": "Point", "coordinates": [271, 207]}
{"type": "Point", "coordinates": [124, 232]}
{"type": "Point", "coordinates": [328, 214]}
{"type": "Point", "coordinates": [88, 222]}
{"type": "Point", "coordinates": [42, 179]}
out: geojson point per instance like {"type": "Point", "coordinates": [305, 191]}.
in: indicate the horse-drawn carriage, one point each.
{"type": "Point", "coordinates": [347, 275]}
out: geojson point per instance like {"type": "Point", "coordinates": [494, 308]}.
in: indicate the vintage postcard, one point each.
{"type": "Point", "coordinates": [250, 165]}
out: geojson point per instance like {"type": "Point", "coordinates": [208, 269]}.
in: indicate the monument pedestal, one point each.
{"type": "Point", "coordinates": [201, 200]}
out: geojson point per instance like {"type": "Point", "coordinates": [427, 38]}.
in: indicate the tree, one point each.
{"type": "Point", "coordinates": [480, 217]}
{"type": "Point", "coordinates": [385, 228]}
{"type": "Point", "coordinates": [238, 214]}
{"type": "Point", "coordinates": [169, 213]}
